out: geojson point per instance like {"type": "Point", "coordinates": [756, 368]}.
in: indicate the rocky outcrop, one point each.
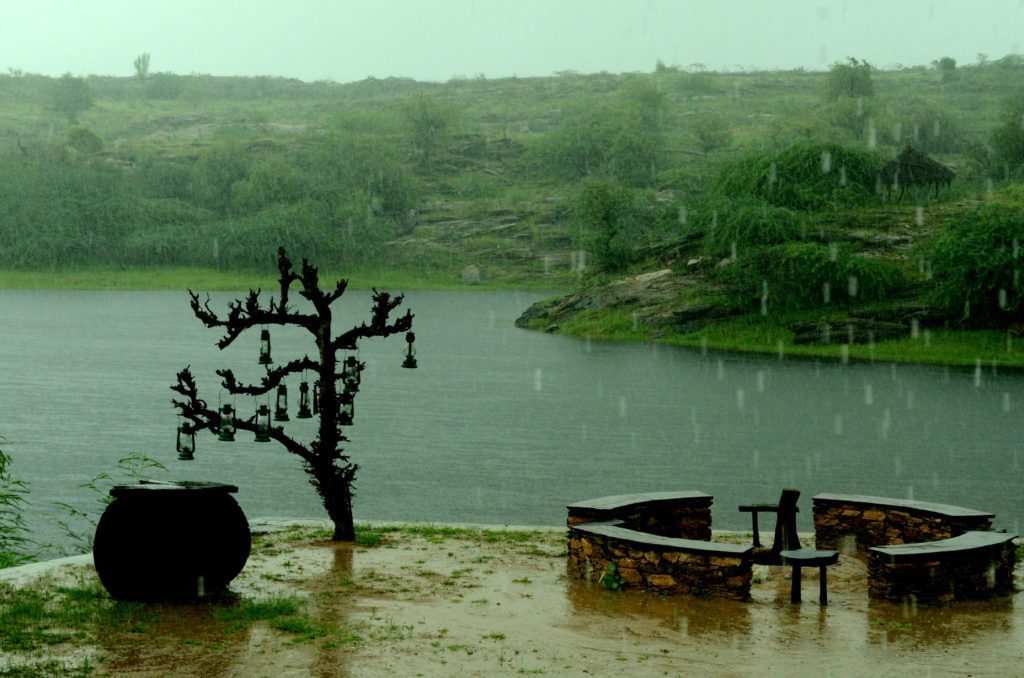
{"type": "Point", "coordinates": [661, 299]}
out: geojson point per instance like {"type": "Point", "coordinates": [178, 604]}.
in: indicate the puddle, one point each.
{"type": "Point", "coordinates": [476, 607]}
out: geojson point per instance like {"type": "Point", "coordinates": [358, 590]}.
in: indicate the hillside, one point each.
{"type": "Point", "coordinates": [123, 174]}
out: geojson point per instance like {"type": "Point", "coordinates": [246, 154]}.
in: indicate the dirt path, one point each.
{"type": "Point", "coordinates": [478, 605]}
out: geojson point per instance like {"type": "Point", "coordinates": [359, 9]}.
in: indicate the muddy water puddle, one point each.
{"type": "Point", "coordinates": [484, 607]}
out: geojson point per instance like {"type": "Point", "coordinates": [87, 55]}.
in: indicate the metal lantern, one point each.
{"type": "Point", "coordinates": [226, 428]}
{"type": "Point", "coordinates": [410, 354]}
{"type": "Point", "coordinates": [304, 411]}
{"type": "Point", "coordinates": [263, 424]}
{"type": "Point", "coordinates": [350, 373]}
{"type": "Point", "coordinates": [265, 347]}
{"type": "Point", "coordinates": [281, 408]}
{"type": "Point", "coordinates": [346, 409]}
{"type": "Point", "coordinates": [186, 441]}
{"type": "Point", "coordinates": [316, 397]}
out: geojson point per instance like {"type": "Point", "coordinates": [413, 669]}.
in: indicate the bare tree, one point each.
{"type": "Point", "coordinates": [331, 471]}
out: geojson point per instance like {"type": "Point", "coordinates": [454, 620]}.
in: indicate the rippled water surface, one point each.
{"type": "Point", "coordinates": [500, 425]}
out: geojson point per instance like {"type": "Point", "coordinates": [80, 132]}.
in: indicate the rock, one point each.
{"type": "Point", "coordinates": [471, 275]}
{"type": "Point", "coordinates": [661, 581]}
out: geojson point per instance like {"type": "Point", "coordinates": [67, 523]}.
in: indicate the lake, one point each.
{"type": "Point", "coordinates": [498, 425]}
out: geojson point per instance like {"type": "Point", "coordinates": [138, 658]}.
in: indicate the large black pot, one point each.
{"type": "Point", "coordinates": [170, 541]}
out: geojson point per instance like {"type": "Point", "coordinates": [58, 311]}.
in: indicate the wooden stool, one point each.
{"type": "Point", "coordinates": [801, 558]}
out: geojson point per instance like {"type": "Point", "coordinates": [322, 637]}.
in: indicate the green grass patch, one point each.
{"type": "Point", "coordinates": [614, 324]}
{"type": "Point", "coordinates": [257, 610]}
{"type": "Point", "coordinates": [771, 335]}
{"type": "Point", "coordinates": [212, 280]}
{"type": "Point", "coordinates": [34, 617]}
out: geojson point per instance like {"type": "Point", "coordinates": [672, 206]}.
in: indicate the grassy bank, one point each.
{"type": "Point", "coordinates": [753, 334]}
{"type": "Point", "coordinates": [182, 278]}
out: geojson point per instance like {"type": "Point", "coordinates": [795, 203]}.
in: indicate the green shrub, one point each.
{"type": "Point", "coordinates": [976, 264]}
{"type": "Point", "coordinates": [797, 276]}
{"type": "Point", "coordinates": [84, 140]}
{"type": "Point", "coordinates": [750, 226]}
{"type": "Point", "coordinates": [808, 177]}
{"type": "Point", "coordinates": [850, 79]}
{"type": "Point", "coordinates": [1007, 138]}
{"type": "Point", "coordinates": [613, 218]}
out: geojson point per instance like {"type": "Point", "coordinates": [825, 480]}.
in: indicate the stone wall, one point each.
{"type": "Point", "coordinates": [852, 522]}
{"type": "Point", "coordinates": [940, 577]}
{"type": "Point", "coordinates": [685, 515]}
{"type": "Point", "coordinates": [660, 564]}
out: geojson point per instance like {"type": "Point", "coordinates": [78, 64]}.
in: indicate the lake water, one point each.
{"type": "Point", "coordinates": [499, 425]}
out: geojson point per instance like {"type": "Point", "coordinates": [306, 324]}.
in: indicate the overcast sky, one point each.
{"type": "Point", "coordinates": [346, 40]}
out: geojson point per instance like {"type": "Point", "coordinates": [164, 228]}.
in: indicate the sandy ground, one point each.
{"type": "Point", "coordinates": [475, 607]}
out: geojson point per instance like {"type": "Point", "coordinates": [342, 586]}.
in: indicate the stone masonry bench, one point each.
{"type": "Point", "coordinates": [851, 521]}
{"type": "Point", "coordinates": [664, 564]}
{"type": "Point", "coordinates": [685, 514]}
{"type": "Point", "coordinates": [971, 565]}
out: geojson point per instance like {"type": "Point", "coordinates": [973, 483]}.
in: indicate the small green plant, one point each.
{"type": "Point", "coordinates": [611, 578]}
{"type": "Point", "coordinates": [79, 525]}
{"type": "Point", "coordinates": [13, 530]}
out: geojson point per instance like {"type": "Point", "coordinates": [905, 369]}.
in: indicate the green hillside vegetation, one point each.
{"type": "Point", "coordinates": [769, 181]}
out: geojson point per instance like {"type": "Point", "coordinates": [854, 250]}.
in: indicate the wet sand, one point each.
{"type": "Point", "coordinates": [476, 607]}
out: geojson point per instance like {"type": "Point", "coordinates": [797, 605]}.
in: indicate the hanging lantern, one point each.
{"type": "Point", "coordinates": [350, 373]}
{"type": "Point", "coordinates": [281, 408]}
{"type": "Point", "coordinates": [226, 428]}
{"type": "Point", "coordinates": [265, 347]}
{"type": "Point", "coordinates": [263, 424]}
{"type": "Point", "coordinates": [316, 397]}
{"type": "Point", "coordinates": [304, 412]}
{"type": "Point", "coordinates": [346, 409]}
{"type": "Point", "coordinates": [186, 441]}
{"type": "Point", "coordinates": [410, 354]}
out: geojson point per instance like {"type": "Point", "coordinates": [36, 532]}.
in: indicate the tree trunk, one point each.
{"type": "Point", "coordinates": [335, 488]}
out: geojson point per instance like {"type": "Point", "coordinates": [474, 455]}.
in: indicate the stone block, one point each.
{"type": "Point", "coordinates": [631, 576]}
{"type": "Point", "coordinates": [661, 581]}
{"type": "Point", "coordinates": [724, 561]}
{"type": "Point", "coordinates": [874, 516]}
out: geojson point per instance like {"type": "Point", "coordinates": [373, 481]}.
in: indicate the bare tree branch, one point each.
{"type": "Point", "coordinates": [274, 377]}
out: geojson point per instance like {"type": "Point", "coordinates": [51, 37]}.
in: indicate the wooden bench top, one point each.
{"type": "Point", "coordinates": [622, 500]}
{"type": "Point", "coordinates": [614, 530]}
{"type": "Point", "coordinates": [907, 504]}
{"type": "Point", "coordinates": [965, 542]}
{"type": "Point", "coordinates": [810, 557]}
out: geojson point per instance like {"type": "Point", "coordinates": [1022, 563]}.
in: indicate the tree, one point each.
{"type": "Point", "coordinates": [612, 215]}
{"type": "Point", "coordinates": [331, 471]}
{"type": "Point", "coordinates": [947, 67]}
{"type": "Point", "coordinates": [141, 64]}
{"type": "Point", "coordinates": [70, 96]}
{"type": "Point", "coordinates": [1007, 139]}
{"type": "Point", "coordinates": [852, 79]}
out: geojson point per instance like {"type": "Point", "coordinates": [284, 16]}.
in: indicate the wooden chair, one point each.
{"type": "Point", "coordinates": [786, 538]}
